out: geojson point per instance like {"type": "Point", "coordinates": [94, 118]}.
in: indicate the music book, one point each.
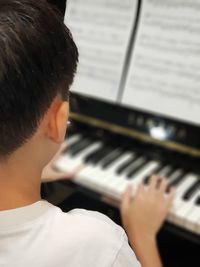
{"type": "Point", "coordinates": [142, 54]}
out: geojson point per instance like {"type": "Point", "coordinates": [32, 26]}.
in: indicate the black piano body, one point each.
{"type": "Point", "coordinates": [102, 135]}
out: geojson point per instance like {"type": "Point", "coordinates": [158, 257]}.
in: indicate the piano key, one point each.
{"type": "Point", "coordinates": [71, 140]}
{"type": "Point", "coordinates": [136, 166]}
{"type": "Point", "coordinates": [197, 202]}
{"type": "Point", "coordinates": [104, 153]}
{"type": "Point", "coordinates": [66, 163]}
{"type": "Point", "coordinates": [104, 181]}
{"type": "Point", "coordinates": [163, 170]}
{"type": "Point", "coordinates": [166, 171]}
{"type": "Point", "coordinates": [178, 201]}
{"type": "Point", "coordinates": [191, 190]}
{"type": "Point", "coordinates": [98, 154]}
{"type": "Point", "coordinates": [177, 178]}
{"type": "Point", "coordinates": [107, 182]}
{"type": "Point", "coordinates": [93, 177]}
{"type": "Point", "coordinates": [126, 164]}
{"type": "Point", "coordinates": [90, 156]}
{"type": "Point", "coordinates": [183, 210]}
{"type": "Point", "coordinates": [192, 220]}
{"type": "Point", "coordinates": [154, 172]}
{"type": "Point", "coordinates": [176, 173]}
{"type": "Point", "coordinates": [116, 185]}
{"type": "Point", "coordinates": [76, 144]}
{"type": "Point", "coordinates": [112, 170]}
{"type": "Point", "coordinates": [144, 172]}
{"type": "Point", "coordinates": [112, 158]}
{"type": "Point", "coordinates": [81, 147]}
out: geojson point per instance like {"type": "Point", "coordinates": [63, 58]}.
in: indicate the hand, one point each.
{"type": "Point", "coordinates": [49, 174]}
{"type": "Point", "coordinates": [143, 215]}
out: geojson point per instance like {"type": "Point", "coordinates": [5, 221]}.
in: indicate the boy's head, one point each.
{"type": "Point", "coordinates": [38, 60]}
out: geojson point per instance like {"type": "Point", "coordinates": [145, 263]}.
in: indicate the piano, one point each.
{"type": "Point", "coordinates": [107, 156]}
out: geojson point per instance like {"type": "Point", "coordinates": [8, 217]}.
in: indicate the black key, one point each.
{"type": "Point", "coordinates": [102, 154]}
{"type": "Point", "coordinates": [90, 156]}
{"type": "Point", "coordinates": [170, 172]}
{"type": "Point", "coordinates": [98, 154]}
{"type": "Point", "coordinates": [177, 180]}
{"type": "Point", "coordinates": [75, 144]}
{"type": "Point", "coordinates": [188, 194]}
{"type": "Point", "coordinates": [125, 165]}
{"type": "Point", "coordinates": [137, 167]}
{"type": "Point", "coordinates": [157, 170]}
{"type": "Point", "coordinates": [80, 148]}
{"type": "Point", "coordinates": [109, 160]}
{"type": "Point", "coordinates": [166, 171]}
{"type": "Point", "coordinates": [197, 202]}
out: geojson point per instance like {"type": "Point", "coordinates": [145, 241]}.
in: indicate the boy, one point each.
{"type": "Point", "coordinates": [38, 59]}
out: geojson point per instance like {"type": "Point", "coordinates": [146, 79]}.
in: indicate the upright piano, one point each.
{"type": "Point", "coordinates": [135, 106]}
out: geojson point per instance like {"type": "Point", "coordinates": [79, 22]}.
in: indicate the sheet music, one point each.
{"type": "Point", "coordinates": [101, 29]}
{"type": "Point", "coordinates": [164, 76]}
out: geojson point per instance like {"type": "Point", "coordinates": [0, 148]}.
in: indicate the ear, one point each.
{"type": "Point", "coordinates": [57, 123]}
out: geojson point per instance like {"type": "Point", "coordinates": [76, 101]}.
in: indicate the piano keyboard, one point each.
{"type": "Point", "coordinates": [108, 168]}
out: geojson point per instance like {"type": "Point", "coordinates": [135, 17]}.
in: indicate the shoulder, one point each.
{"type": "Point", "coordinates": [97, 227]}
{"type": "Point", "coordinates": [82, 222]}
{"type": "Point", "coordinates": [100, 237]}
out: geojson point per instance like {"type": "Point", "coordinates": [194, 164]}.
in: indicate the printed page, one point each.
{"type": "Point", "coordinates": [101, 30]}
{"type": "Point", "coordinates": [164, 76]}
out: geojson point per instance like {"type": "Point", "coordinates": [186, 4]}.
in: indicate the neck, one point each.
{"type": "Point", "coordinates": [20, 183]}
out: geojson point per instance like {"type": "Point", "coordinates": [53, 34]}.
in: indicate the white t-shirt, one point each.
{"type": "Point", "coordinates": [41, 235]}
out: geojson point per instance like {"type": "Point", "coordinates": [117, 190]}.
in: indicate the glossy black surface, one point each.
{"type": "Point", "coordinates": [176, 131]}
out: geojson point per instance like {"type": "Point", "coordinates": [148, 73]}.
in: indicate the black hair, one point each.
{"type": "Point", "coordinates": [38, 60]}
{"type": "Point", "coordinates": [59, 4]}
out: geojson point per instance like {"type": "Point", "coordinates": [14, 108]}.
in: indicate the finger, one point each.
{"type": "Point", "coordinates": [170, 196]}
{"type": "Point", "coordinates": [126, 199]}
{"type": "Point", "coordinates": [163, 186]}
{"type": "Point", "coordinates": [53, 175]}
{"type": "Point", "coordinates": [153, 183]}
{"type": "Point", "coordinates": [140, 189]}
{"type": "Point", "coordinates": [64, 175]}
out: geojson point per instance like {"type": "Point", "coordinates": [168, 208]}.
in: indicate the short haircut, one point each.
{"type": "Point", "coordinates": [38, 60]}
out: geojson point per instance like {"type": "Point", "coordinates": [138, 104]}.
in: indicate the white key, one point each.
{"type": "Point", "coordinates": [109, 175]}
{"type": "Point", "coordinates": [111, 170]}
{"type": "Point", "coordinates": [84, 177]}
{"type": "Point", "coordinates": [66, 163]}
{"type": "Point", "coordinates": [117, 184]}
{"type": "Point", "coordinates": [112, 183]}
{"type": "Point", "coordinates": [184, 208]}
{"type": "Point", "coordinates": [95, 179]}
{"type": "Point", "coordinates": [144, 172]}
{"type": "Point", "coordinates": [192, 220]}
{"type": "Point", "coordinates": [101, 180]}
{"type": "Point", "coordinates": [102, 177]}
{"type": "Point", "coordinates": [185, 184]}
